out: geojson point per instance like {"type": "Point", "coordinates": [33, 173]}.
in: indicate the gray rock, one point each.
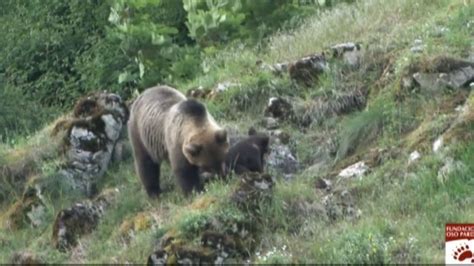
{"type": "Point", "coordinates": [407, 83]}
{"type": "Point", "coordinates": [270, 123]}
{"type": "Point", "coordinates": [253, 187]}
{"type": "Point", "coordinates": [282, 159]}
{"type": "Point", "coordinates": [307, 69]}
{"type": "Point", "coordinates": [356, 170]}
{"type": "Point", "coordinates": [460, 77]}
{"type": "Point", "coordinates": [80, 219]}
{"type": "Point", "coordinates": [278, 107]}
{"type": "Point", "coordinates": [350, 52]}
{"type": "Point", "coordinates": [222, 87]}
{"type": "Point", "coordinates": [418, 46]}
{"type": "Point", "coordinates": [94, 140]}
{"type": "Point", "coordinates": [280, 136]}
{"type": "Point", "coordinates": [341, 205]}
{"type": "Point", "coordinates": [428, 81]}
{"type": "Point", "coordinates": [414, 156]}
{"type": "Point", "coordinates": [278, 68]}
{"type": "Point", "coordinates": [323, 183]}
{"type": "Point", "coordinates": [455, 79]}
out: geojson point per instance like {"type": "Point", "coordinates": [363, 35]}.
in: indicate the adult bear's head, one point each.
{"type": "Point", "coordinates": [206, 143]}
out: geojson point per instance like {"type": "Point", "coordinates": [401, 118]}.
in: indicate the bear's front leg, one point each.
{"type": "Point", "coordinates": [187, 174]}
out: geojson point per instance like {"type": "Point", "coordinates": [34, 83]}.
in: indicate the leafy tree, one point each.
{"type": "Point", "coordinates": [54, 51]}
{"type": "Point", "coordinates": [153, 34]}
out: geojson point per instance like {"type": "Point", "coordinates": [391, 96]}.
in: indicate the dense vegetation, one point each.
{"type": "Point", "coordinates": [54, 52]}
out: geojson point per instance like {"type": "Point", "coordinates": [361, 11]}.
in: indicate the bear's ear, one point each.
{"type": "Point", "coordinates": [252, 131]}
{"type": "Point", "coordinates": [193, 149]}
{"type": "Point", "coordinates": [221, 136]}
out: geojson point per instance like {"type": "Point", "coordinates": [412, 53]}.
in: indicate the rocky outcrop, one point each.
{"type": "Point", "coordinates": [357, 170]}
{"type": "Point", "coordinates": [252, 189]}
{"type": "Point", "coordinates": [278, 107]}
{"type": "Point", "coordinates": [282, 160]}
{"type": "Point", "coordinates": [441, 72]}
{"type": "Point", "coordinates": [30, 210]}
{"type": "Point", "coordinates": [349, 52]}
{"type": "Point", "coordinates": [305, 113]}
{"type": "Point", "coordinates": [95, 134]}
{"type": "Point", "coordinates": [324, 107]}
{"type": "Point", "coordinates": [226, 239]}
{"type": "Point", "coordinates": [202, 93]}
{"type": "Point", "coordinates": [140, 222]}
{"type": "Point", "coordinates": [305, 70]}
{"type": "Point", "coordinates": [80, 219]}
{"type": "Point", "coordinates": [341, 204]}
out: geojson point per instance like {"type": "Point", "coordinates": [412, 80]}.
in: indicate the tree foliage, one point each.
{"type": "Point", "coordinates": [54, 51]}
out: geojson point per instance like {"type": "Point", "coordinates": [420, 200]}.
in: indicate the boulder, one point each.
{"type": "Point", "coordinates": [305, 70]}
{"type": "Point", "coordinates": [80, 219]}
{"type": "Point", "coordinates": [414, 156]}
{"type": "Point", "coordinates": [418, 46]}
{"type": "Point", "coordinates": [95, 133]}
{"type": "Point", "coordinates": [198, 93]}
{"type": "Point", "coordinates": [340, 204]}
{"type": "Point", "coordinates": [252, 188]}
{"type": "Point", "coordinates": [280, 136]}
{"type": "Point", "coordinates": [279, 108]}
{"type": "Point", "coordinates": [438, 144]}
{"type": "Point", "coordinates": [357, 170]}
{"type": "Point", "coordinates": [282, 160]}
{"type": "Point", "coordinates": [140, 222]}
{"type": "Point", "coordinates": [308, 69]}
{"type": "Point", "coordinates": [270, 123]}
{"type": "Point", "coordinates": [29, 210]}
{"type": "Point", "coordinates": [349, 52]}
{"type": "Point", "coordinates": [323, 107]}
{"type": "Point", "coordinates": [325, 184]}
{"type": "Point", "coordinates": [438, 73]}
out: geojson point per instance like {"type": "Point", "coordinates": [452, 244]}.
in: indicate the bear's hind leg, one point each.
{"type": "Point", "coordinates": [149, 173]}
{"type": "Point", "coordinates": [146, 168]}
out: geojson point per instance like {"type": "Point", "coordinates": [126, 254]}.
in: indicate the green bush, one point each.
{"type": "Point", "coordinates": [19, 116]}
{"type": "Point", "coordinates": [54, 51]}
{"type": "Point", "coordinates": [211, 22]}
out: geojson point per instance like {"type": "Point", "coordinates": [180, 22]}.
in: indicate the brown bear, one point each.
{"type": "Point", "coordinates": [248, 154]}
{"type": "Point", "coordinates": [165, 126]}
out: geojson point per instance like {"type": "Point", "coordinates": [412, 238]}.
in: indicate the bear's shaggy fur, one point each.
{"type": "Point", "coordinates": [248, 154]}
{"type": "Point", "coordinates": [165, 126]}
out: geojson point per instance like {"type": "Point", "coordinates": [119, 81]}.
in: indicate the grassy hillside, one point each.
{"type": "Point", "coordinates": [394, 213]}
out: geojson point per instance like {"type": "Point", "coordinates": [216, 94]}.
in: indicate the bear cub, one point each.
{"type": "Point", "coordinates": [248, 155]}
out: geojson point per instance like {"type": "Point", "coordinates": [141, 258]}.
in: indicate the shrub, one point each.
{"type": "Point", "coordinates": [20, 116]}
{"type": "Point", "coordinates": [47, 45]}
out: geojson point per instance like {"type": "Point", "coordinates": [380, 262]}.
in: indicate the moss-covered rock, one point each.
{"type": "Point", "coordinates": [94, 135]}
{"type": "Point", "coordinates": [80, 219]}
{"type": "Point", "coordinates": [30, 210]}
{"type": "Point", "coordinates": [252, 189]}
